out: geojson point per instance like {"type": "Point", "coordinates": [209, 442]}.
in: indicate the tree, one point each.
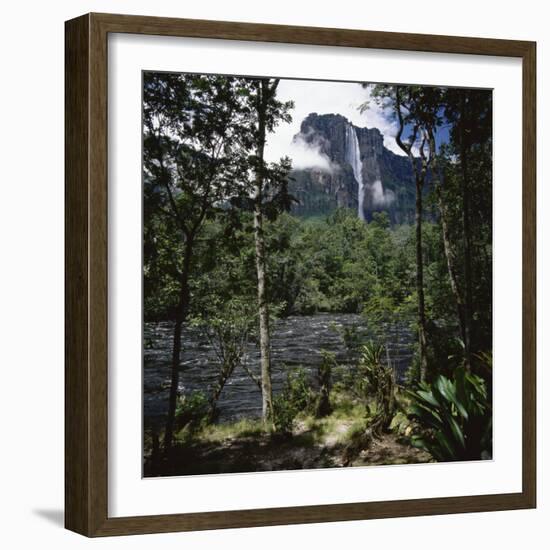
{"type": "Point", "coordinates": [270, 196]}
{"type": "Point", "coordinates": [438, 106]}
{"type": "Point", "coordinates": [225, 312]}
{"type": "Point", "coordinates": [420, 111]}
{"type": "Point", "coordinates": [194, 155]}
{"type": "Point", "coordinates": [227, 324]}
{"type": "Point", "coordinates": [450, 255]}
{"type": "Point", "coordinates": [411, 111]}
{"type": "Point", "coordinates": [470, 114]}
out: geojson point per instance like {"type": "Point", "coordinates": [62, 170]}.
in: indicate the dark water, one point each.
{"type": "Point", "coordinates": [296, 342]}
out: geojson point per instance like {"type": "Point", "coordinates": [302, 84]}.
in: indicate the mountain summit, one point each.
{"type": "Point", "coordinates": [354, 170]}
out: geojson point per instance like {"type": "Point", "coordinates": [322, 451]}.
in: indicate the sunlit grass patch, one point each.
{"type": "Point", "coordinates": [332, 429]}
{"type": "Point", "coordinates": [230, 430]}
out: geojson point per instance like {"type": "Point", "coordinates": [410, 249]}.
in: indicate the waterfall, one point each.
{"type": "Point", "coordinates": [353, 157]}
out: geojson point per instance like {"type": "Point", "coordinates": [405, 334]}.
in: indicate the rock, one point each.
{"type": "Point", "coordinates": [387, 178]}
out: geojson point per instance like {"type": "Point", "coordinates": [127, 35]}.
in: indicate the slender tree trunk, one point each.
{"type": "Point", "coordinates": [420, 175]}
{"type": "Point", "coordinates": [263, 309]}
{"type": "Point", "coordinates": [181, 316]}
{"type": "Point", "coordinates": [263, 306]}
{"type": "Point", "coordinates": [324, 377]}
{"type": "Point", "coordinates": [223, 376]}
{"type": "Point", "coordinates": [447, 246]}
{"type": "Point", "coordinates": [467, 234]}
{"type": "Point", "coordinates": [422, 342]}
{"type": "Point", "coordinates": [450, 258]}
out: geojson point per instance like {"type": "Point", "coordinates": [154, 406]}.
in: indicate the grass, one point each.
{"type": "Point", "coordinates": [355, 429]}
{"type": "Point", "coordinates": [248, 445]}
{"type": "Point", "coordinates": [347, 413]}
{"type": "Point", "coordinates": [239, 429]}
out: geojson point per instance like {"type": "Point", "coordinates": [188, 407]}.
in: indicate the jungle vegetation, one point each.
{"type": "Point", "coordinates": [223, 252]}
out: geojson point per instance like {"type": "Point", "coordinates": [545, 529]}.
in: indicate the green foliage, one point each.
{"type": "Point", "coordinates": [339, 264]}
{"type": "Point", "coordinates": [378, 385]}
{"type": "Point", "coordinates": [284, 414]}
{"type": "Point", "coordinates": [192, 411]}
{"type": "Point", "coordinates": [295, 397]}
{"type": "Point", "coordinates": [455, 417]}
{"type": "Point", "coordinates": [243, 428]}
{"type": "Point", "coordinates": [227, 325]}
{"type": "Point", "coordinates": [200, 155]}
{"type": "Point", "coordinates": [401, 424]}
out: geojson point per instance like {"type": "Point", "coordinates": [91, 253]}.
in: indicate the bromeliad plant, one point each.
{"type": "Point", "coordinates": [455, 417]}
{"type": "Point", "coordinates": [378, 383]}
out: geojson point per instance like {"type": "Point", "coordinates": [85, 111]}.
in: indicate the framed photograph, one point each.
{"type": "Point", "coordinates": [300, 275]}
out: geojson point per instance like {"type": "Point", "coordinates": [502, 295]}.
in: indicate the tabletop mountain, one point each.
{"type": "Point", "coordinates": [357, 171]}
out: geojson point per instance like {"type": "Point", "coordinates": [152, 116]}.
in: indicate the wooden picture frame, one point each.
{"type": "Point", "coordinates": [86, 283]}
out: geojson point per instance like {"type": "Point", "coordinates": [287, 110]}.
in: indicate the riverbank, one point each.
{"type": "Point", "coordinates": [297, 342]}
{"type": "Point", "coordinates": [339, 440]}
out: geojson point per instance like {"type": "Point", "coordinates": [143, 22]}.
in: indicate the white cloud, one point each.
{"type": "Point", "coordinates": [324, 97]}
{"type": "Point", "coordinates": [379, 196]}
{"type": "Point", "coordinates": [384, 118]}
{"type": "Point", "coordinates": [308, 155]}
{"type": "Point", "coordinates": [381, 117]}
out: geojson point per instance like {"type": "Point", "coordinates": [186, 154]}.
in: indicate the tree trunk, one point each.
{"type": "Point", "coordinates": [263, 309]}
{"type": "Point", "coordinates": [467, 234]}
{"type": "Point", "coordinates": [181, 316]}
{"type": "Point", "coordinates": [420, 175]}
{"type": "Point", "coordinates": [449, 256]}
{"type": "Point", "coordinates": [217, 391]}
{"type": "Point", "coordinates": [324, 377]}
{"type": "Point", "coordinates": [420, 284]}
{"type": "Point", "coordinates": [263, 306]}
{"type": "Point", "coordinates": [447, 247]}
{"type": "Point", "coordinates": [226, 371]}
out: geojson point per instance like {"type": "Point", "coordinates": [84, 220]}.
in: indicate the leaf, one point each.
{"type": "Point", "coordinates": [427, 415]}
{"type": "Point", "coordinates": [447, 388]}
{"type": "Point", "coordinates": [418, 441]}
{"type": "Point", "coordinates": [457, 432]}
{"type": "Point", "coordinates": [449, 452]}
{"type": "Point", "coordinates": [428, 396]}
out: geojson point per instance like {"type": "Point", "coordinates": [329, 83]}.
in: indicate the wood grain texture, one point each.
{"type": "Point", "coordinates": [86, 231]}
{"type": "Point", "coordinates": [77, 386]}
{"type": "Point", "coordinates": [529, 276]}
{"type": "Point", "coordinates": [165, 26]}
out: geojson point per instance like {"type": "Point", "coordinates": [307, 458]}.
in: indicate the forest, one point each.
{"type": "Point", "coordinates": [397, 317]}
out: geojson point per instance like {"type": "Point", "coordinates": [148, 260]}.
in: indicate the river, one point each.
{"type": "Point", "coordinates": [296, 342]}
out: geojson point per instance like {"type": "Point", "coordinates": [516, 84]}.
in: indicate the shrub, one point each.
{"type": "Point", "coordinates": [192, 411]}
{"type": "Point", "coordinates": [378, 386]}
{"type": "Point", "coordinates": [401, 425]}
{"type": "Point", "coordinates": [283, 415]}
{"type": "Point", "coordinates": [455, 417]}
{"type": "Point", "coordinates": [227, 326]}
{"type": "Point", "coordinates": [295, 397]}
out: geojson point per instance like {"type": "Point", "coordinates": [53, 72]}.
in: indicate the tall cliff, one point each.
{"type": "Point", "coordinates": [358, 172]}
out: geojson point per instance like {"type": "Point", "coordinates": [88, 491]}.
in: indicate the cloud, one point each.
{"type": "Point", "coordinates": [308, 155]}
{"type": "Point", "coordinates": [382, 116]}
{"type": "Point", "coordinates": [324, 97]}
{"type": "Point", "coordinates": [381, 197]}
{"type": "Point", "coordinates": [313, 96]}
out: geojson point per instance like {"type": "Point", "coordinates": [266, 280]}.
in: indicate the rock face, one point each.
{"type": "Point", "coordinates": [358, 172]}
